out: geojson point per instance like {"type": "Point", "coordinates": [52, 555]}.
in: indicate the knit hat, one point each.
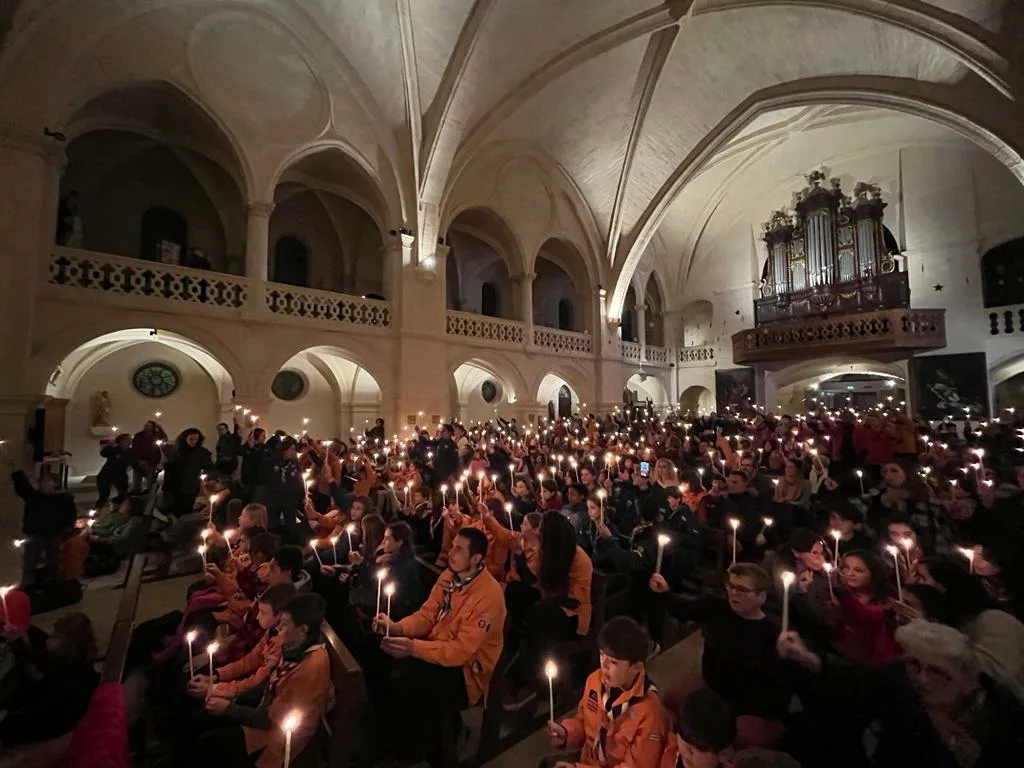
{"type": "Point", "coordinates": [18, 617]}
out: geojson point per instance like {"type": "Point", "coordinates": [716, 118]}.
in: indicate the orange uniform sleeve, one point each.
{"type": "Point", "coordinates": [420, 623]}
{"type": "Point", "coordinates": [459, 652]}
{"type": "Point", "coordinates": [498, 531]}
{"type": "Point", "coordinates": [306, 692]}
{"type": "Point", "coordinates": [651, 732]}
{"type": "Point", "coordinates": [580, 575]}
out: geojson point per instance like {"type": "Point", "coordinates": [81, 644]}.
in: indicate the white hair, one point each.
{"type": "Point", "coordinates": [930, 639]}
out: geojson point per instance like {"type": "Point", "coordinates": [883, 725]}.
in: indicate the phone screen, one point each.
{"type": "Point", "coordinates": [645, 469]}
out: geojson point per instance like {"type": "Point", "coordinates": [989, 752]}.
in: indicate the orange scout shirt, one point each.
{"type": "Point", "coordinates": [470, 635]}
{"type": "Point", "coordinates": [636, 738]}
{"type": "Point", "coordinates": [250, 671]}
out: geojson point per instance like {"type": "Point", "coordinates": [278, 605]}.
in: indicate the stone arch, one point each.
{"type": "Point", "coordinates": [697, 399]}
{"type": "Point", "coordinates": [919, 99]}
{"type": "Point", "coordinates": [562, 274]}
{"type": "Point", "coordinates": [647, 386]}
{"type": "Point", "coordinates": [467, 381]}
{"type": "Point", "coordinates": [654, 314]}
{"type": "Point", "coordinates": [546, 384]}
{"type": "Point", "coordinates": [483, 249]}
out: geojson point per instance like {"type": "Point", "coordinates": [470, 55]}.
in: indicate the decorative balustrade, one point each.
{"type": "Point", "coordinates": [1005, 321]}
{"type": "Point", "coordinates": [134, 277]}
{"type": "Point", "coordinates": [311, 304]}
{"type": "Point", "coordinates": [874, 332]}
{"type": "Point", "coordinates": [555, 340]}
{"type": "Point", "coordinates": [655, 354]}
{"type": "Point", "coordinates": [485, 328]}
{"type": "Point", "coordinates": [696, 357]}
{"type": "Point", "coordinates": [630, 351]}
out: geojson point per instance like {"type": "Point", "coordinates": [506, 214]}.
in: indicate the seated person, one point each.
{"type": "Point", "coordinates": [849, 521]}
{"type": "Point", "coordinates": [54, 695]}
{"type": "Point", "coordinates": [254, 668]}
{"type": "Point", "coordinates": [739, 662]}
{"type": "Point", "coordinates": [285, 567]}
{"type": "Point", "coordinates": [446, 652]}
{"type": "Point", "coordinates": [464, 515]}
{"type": "Point", "coordinates": [705, 728]}
{"type": "Point", "coordinates": [21, 647]}
{"type": "Point", "coordinates": [620, 719]}
{"type": "Point", "coordinates": [299, 684]}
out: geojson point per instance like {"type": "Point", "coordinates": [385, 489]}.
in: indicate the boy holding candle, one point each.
{"type": "Point", "coordinates": [620, 719]}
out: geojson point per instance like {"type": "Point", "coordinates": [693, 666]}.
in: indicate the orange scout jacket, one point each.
{"type": "Point", "coordinates": [497, 549]}
{"type": "Point", "coordinates": [250, 671]}
{"type": "Point", "coordinates": [469, 635]}
{"type": "Point", "coordinates": [635, 737]}
{"type": "Point", "coordinates": [303, 688]}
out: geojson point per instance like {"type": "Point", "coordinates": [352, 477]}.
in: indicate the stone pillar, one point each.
{"type": "Point", "coordinates": [257, 253]}
{"type": "Point", "coordinates": [641, 329]}
{"type": "Point", "coordinates": [524, 285]}
{"type": "Point", "coordinates": [767, 389]}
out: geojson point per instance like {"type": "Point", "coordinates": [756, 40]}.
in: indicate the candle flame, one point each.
{"type": "Point", "coordinates": [551, 670]}
{"type": "Point", "coordinates": [190, 636]}
{"type": "Point", "coordinates": [389, 588]}
{"type": "Point", "coordinates": [788, 577]}
{"type": "Point", "coordinates": [291, 723]}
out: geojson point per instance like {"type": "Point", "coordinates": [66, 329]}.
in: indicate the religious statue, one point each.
{"type": "Point", "coordinates": [101, 409]}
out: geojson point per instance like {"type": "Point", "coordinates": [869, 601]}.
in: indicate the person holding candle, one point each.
{"type": "Point", "coordinates": [286, 493]}
{"type": "Point", "coordinates": [803, 555]}
{"type": "Point", "coordinates": [793, 487]}
{"type": "Point", "coordinates": [113, 475]}
{"type": "Point", "coordinates": [300, 682]}
{"type": "Point", "coordinates": [620, 720]}
{"type": "Point", "coordinates": [848, 520]}
{"type": "Point", "coordinates": [181, 485]}
{"type": "Point", "coordinates": [739, 662]}
{"type": "Point", "coordinates": [49, 515]}
{"type": "Point", "coordinates": [441, 657]}
{"type": "Point", "coordinates": [865, 623]}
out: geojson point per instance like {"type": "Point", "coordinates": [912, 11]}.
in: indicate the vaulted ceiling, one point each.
{"type": "Point", "coordinates": [639, 117]}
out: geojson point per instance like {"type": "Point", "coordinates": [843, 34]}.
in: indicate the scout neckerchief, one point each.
{"type": "Point", "coordinates": [456, 584]}
{"type": "Point", "coordinates": [290, 659]}
{"type": "Point", "coordinates": [616, 704]}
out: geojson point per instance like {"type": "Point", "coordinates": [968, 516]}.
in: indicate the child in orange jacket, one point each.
{"type": "Point", "coordinates": [620, 719]}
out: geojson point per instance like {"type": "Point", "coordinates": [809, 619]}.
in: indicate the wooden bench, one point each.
{"type": "Point", "coordinates": [343, 724]}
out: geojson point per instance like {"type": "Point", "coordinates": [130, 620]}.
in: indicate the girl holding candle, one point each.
{"type": "Point", "coordinates": [865, 622]}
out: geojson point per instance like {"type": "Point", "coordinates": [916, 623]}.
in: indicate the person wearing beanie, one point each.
{"type": "Point", "coordinates": [704, 733]}
{"type": "Point", "coordinates": [620, 719]}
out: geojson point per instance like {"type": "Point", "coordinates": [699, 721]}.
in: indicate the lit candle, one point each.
{"type": "Point", "coordinates": [389, 590]}
{"type": "Point", "coordinates": [348, 529]}
{"type": "Point", "coordinates": [3, 600]}
{"type": "Point", "coordinates": [908, 545]}
{"type": "Point", "coordinates": [444, 494]}
{"type": "Point", "coordinates": [768, 523]}
{"type": "Point", "coordinates": [787, 581]}
{"type": "Point", "coordinates": [969, 554]}
{"type": "Point", "coordinates": [551, 672]}
{"type": "Point", "coordinates": [511, 476]}
{"type": "Point", "coordinates": [202, 551]}
{"type": "Point", "coordinates": [663, 541]}
{"type": "Point", "coordinates": [895, 552]}
{"type": "Point", "coordinates": [312, 545]}
{"type": "Point", "coordinates": [828, 574]}
{"type": "Point", "coordinates": [837, 535]}
{"type": "Point", "coordinates": [734, 523]}
{"type": "Point", "coordinates": [860, 478]}
{"type": "Point", "coordinates": [458, 487]}
{"type": "Point", "coordinates": [508, 511]}
{"type": "Point", "coordinates": [334, 546]}
{"type": "Point", "coordinates": [228, 534]}
{"type": "Point", "coordinates": [290, 724]}
{"type": "Point", "coordinates": [600, 497]}
{"type": "Point", "coordinates": [210, 650]}
{"type": "Point", "coordinates": [381, 575]}
{"type": "Point", "coordinates": [190, 637]}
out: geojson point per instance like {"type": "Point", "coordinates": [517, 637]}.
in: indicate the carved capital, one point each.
{"type": "Point", "coordinates": [259, 208]}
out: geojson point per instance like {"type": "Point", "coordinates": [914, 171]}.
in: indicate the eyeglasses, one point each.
{"type": "Point", "coordinates": [739, 589]}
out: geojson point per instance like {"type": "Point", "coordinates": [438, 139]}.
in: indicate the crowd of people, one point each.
{"type": "Point", "coordinates": [857, 577]}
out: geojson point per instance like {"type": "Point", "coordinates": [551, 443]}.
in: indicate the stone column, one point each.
{"type": "Point", "coordinates": [257, 253]}
{"type": "Point", "coordinates": [524, 285]}
{"type": "Point", "coordinates": [641, 329]}
{"type": "Point", "coordinates": [767, 389]}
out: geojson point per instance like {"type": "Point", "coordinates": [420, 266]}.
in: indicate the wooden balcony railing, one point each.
{"type": "Point", "coordinates": [884, 291]}
{"type": "Point", "coordinates": [892, 333]}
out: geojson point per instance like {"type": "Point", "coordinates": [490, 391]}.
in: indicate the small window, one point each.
{"type": "Point", "coordinates": [565, 315]}
{"type": "Point", "coordinates": [489, 300]}
{"type": "Point", "coordinates": [489, 391]}
{"type": "Point", "coordinates": [288, 385]}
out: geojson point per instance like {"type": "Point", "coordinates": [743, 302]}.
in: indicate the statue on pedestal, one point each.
{"type": "Point", "coordinates": [101, 409]}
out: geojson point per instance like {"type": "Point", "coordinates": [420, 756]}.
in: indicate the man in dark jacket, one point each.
{"type": "Point", "coordinates": [254, 456]}
{"type": "Point", "coordinates": [114, 472]}
{"type": "Point", "coordinates": [49, 515]}
{"type": "Point", "coordinates": [446, 456]}
{"type": "Point", "coordinates": [229, 446]}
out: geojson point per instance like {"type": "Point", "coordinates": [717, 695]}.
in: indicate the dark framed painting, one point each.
{"type": "Point", "coordinates": [946, 385]}
{"type": "Point", "coordinates": [734, 387]}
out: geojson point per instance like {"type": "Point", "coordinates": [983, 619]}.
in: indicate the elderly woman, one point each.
{"type": "Point", "coordinates": [932, 708]}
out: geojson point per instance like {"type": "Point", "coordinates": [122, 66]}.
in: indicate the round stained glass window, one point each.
{"type": "Point", "coordinates": [288, 385]}
{"type": "Point", "coordinates": [489, 391]}
{"type": "Point", "coordinates": [156, 380]}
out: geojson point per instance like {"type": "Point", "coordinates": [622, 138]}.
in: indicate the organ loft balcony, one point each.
{"type": "Point", "coordinates": [834, 283]}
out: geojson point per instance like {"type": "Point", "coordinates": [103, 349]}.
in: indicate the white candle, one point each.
{"type": "Point", "coordinates": [663, 541]}
{"type": "Point", "coordinates": [458, 487]}
{"type": "Point", "coordinates": [334, 547]}
{"type": "Point", "coordinates": [551, 672]}
{"type": "Point", "coordinates": [860, 478]}
{"type": "Point", "coordinates": [228, 534]}
{"type": "Point", "coordinates": [787, 581]}
{"type": "Point", "coordinates": [202, 551]}
{"type": "Point", "coordinates": [389, 590]}
{"type": "Point", "coordinates": [508, 511]}
{"type": "Point", "coordinates": [894, 551]}
{"type": "Point", "coordinates": [3, 600]}
{"type": "Point", "coordinates": [290, 724]}
{"type": "Point", "coordinates": [908, 545]}
{"type": "Point", "coordinates": [828, 574]}
{"type": "Point", "coordinates": [836, 534]}
{"type": "Point", "coordinates": [969, 554]}
{"type": "Point", "coordinates": [444, 495]}
{"type": "Point", "coordinates": [348, 529]}
{"type": "Point", "coordinates": [210, 650]}
{"type": "Point", "coordinates": [190, 637]}
{"type": "Point", "coordinates": [511, 476]}
{"type": "Point", "coordinates": [600, 497]}
{"type": "Point", "coordinates": [735, 525]}
{"type": "Point", "coordinates": [381, 575]}
{"type": "Point", "coordinates": [312, 545]}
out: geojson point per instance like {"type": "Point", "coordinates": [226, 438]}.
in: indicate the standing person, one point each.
{"type": "Point", "coordinates": [376, 432]}
{"type": "Point", "coordinates": [446, 457]}
{"type": "Point", "coordinates": [147, 454]}
{"type": "Point", "coordinates": [114, 472]}
{"type": "Point", "coordinates": [229, 448]}
{"type": "Point", "coordinates": [286, 492]}
{"type": "Point", "coordinates": [48, 516]}
{"type": "Point", "coordinates": [182, 472]}
{"type": "Point", "coordinates": [254, 456]}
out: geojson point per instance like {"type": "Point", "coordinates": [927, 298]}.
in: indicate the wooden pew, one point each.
{"type": "Point", "coordinates": [344, 723]}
